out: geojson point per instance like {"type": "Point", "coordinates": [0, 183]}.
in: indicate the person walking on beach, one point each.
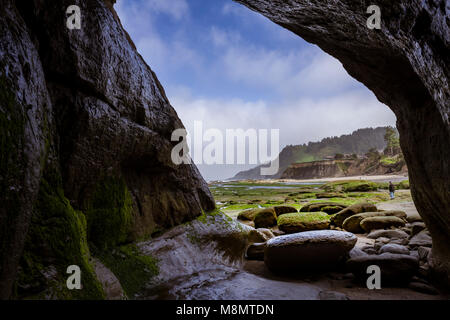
{"type": "Point", "coordinates": [391, 190]}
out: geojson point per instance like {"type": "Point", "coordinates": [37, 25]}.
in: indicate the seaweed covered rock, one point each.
{"type": "Point", "coordinates": [279, 210]}
{"type": "Point", "coordinates": [313, 250]}
{"type": "Point", "coordinates": [248, 214]}
{"type": "Point", "coordinates": [330, 195]}
{"type": "Point", "coordinates": [265, 218]}
{"type": "Point", "coordinates": [338, 218]}
{"type": "Point", "coordinates": [303, 221]}
{"type": "Point", "coordinates": [318, 206]}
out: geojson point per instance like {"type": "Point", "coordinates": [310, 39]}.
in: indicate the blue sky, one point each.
{"type": "Point", "coordinates": [221, 63]}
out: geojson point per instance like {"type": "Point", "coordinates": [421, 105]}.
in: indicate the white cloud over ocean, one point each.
{"type": "Point", "coordinates": [232, 68]}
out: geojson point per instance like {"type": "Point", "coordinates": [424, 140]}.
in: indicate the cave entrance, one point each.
{"type": "Point", "coordinates": [404, 63]}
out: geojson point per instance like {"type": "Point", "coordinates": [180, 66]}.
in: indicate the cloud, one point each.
{"type": "Point", "coordinates": [292, 73]}
{"type": "Point", "coordinates": [176, 9]}
{"type": "Point", "coordinates": [221, 38]}
{"type": "Point", "coordinates": [299, 121]}
{"type": "Point", "coordinates": [165, 54]}
{"type": "Point", "coordinates": [246, 73]}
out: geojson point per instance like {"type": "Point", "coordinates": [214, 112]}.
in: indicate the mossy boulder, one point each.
{"type": "Point", "coordinates": [352, 223]}
{"type": "Point", "coordinates": [299, 222]}
{"type": "Point", "coordinates": [356, 208]}
{"type": "Point", "coordinates": [372, 223]}
{"type": "Point", "coordinates": [265, 218]}
{"type": "Point", "coordinates": [330, 195]}
{"type": "Point", "coordinates": [331, 209]}
{"type": "Point", "coordinates": [350, 186]}
{"type": "Point", "coordinates": [248, 214]}
{"type": "Point", "coordinates": [318, 206]}
{"type": "Point", "coordinates": [403, 184]}
{"type": "Point", "coordinates": [279, 210]}
{"type": "Point", "coordinates": [260, 235]}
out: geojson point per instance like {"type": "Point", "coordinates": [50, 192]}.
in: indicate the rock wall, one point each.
{"type": "Point", "coordinates": [85, 127]}
{"type": "Point", "coordinates": [341, 168]}
{"type": "Point", "coordinates": [316, 169]}
{"type": "Point", "coordinates": [406, 64]}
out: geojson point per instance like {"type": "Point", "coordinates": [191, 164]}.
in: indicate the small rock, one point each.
{"type": "Point", "coordinates": [372, 223]}
{"type": "Point", "coordinates": [394, 248]}
{"type": "Point", "coordinates": [406, 229]}
{"type": "Point", "coordinates": [422, 239]}
{"type": "Point", "coordinates": [332, 295]}
{"type": "Point", "coordinates": [402, 242]}
{"type": "Point", "coordinates": [399, 234]}
{"type": "Point", "coordinates": [277, 232]}
{"type": "Point", "coordinates": [414, 253]}
{"type": "Point", "coordinates": [423, 253]}
{"type": "Point", "coordinates": [416, 227]}
{"type": "Point", "coordinates": [356, 252]}
{"type": "Point", "coordinates": [380, 242]}
{"type": "Point", "coordinates": [369, 250]}
{"type": "Point", "coordinates": [256, 251]}
{"type": "Point", "coordinates": [414, 218]}
{"type": "Point", "coordinates": [423, 288]}
{"type": "Point", "coordinates": [395, 268]}
{"type": "Point", "coordinates": [279, 210]}
{"type": "Point", "coordinates": [260, 235]}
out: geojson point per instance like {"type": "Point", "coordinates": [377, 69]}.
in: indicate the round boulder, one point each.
{"type": "Point", "coordinates": [249, 214]}
{"type": "Point", "coordinates": [422, 239]}
{"type": "Point", "coordinates": [395, 268]}
{"type": "Point", "coordinates": [303, 221]}
{"type": "Point", "coordinates": [356, 208]}
{"type": "Point", "coordinates": [391, 234]}
{"type": "Point", "coordinates": [317, 206]}
{"type": "Point", "coordinates": [265, 218]}
{"type": "Point", "coordinates": [331, 209]}
{"type": "Point", "coordinates": [394, 248]}
{"type": "Point", "coordinates": [279, 210]}
{"type": "Point", "coordinates": [352, 223]}
{"type": "Point", "coordinates": [371, 223]}
{"type": "Point", "coordinates": [260, 235]}
{"type": "Point", "coordinates": [311, 250]}
{"type": "Point", "coordinates": [330, 195]}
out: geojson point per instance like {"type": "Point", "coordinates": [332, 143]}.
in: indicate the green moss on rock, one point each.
{"type": "Point", "coordinates": [109, 214]}
{"type": "Point", "coordinates": [133, 269]}
{"type": "Point", "coordinates": [265, 218]}
{"type": "Point", "coordinates": [303, 221]}
{"type": "Point", "coordinates": [56, 240]}
{"type": "Point", "coordinates": [350, 186]}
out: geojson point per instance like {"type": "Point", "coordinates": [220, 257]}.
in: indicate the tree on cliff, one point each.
{"type": "Point", "coordinates": [392, 142]}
